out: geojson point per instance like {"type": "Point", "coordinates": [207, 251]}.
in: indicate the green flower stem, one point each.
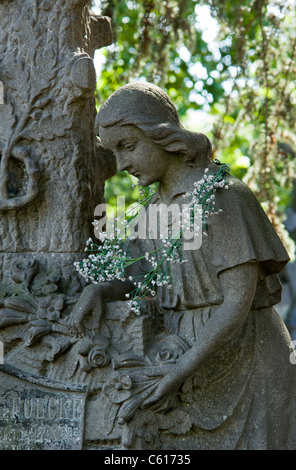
{"type": "Point", "coordinates": [161, 272]}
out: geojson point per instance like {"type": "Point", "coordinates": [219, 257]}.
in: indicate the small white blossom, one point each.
{"type": "Point", "coordinates": [102, 236]}
{"type": "Point", "coordinates": [108, 260]}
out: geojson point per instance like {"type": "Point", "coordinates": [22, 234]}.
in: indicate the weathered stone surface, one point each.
{"type": "Point", "coordinates": [51, 173]}
{"type": "Point", "coordinates": [206, 364]}
{"type": "Point", "coordinates": [52, 176]}
{"type": "Point", "coordinates": [220, 376]}
{"type": "Point", "coordinates": [38, 414]}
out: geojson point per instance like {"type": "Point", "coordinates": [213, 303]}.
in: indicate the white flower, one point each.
{"type": "Point", "coordinates": [102, 236]}
{"type": "Point", "coordinates": [109, 261]}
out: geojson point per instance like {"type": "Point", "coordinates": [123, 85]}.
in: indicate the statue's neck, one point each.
{"type": "Point", "coordinates": [179, 177]}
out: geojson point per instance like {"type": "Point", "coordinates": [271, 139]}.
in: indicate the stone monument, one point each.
{"type": "Point", "coordinates": [205, 363]}
{"type": "Point", "coordinates": [51, 177]}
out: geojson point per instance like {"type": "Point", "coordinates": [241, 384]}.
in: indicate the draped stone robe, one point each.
{"type": "Point", "coordinates": [243, 396]}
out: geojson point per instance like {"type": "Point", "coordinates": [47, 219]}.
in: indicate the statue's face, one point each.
{"type": "Point", "coordinates": [135, 152]}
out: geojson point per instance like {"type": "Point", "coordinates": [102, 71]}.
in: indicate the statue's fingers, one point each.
{"type": "Point", "coordinates": [160, 404]}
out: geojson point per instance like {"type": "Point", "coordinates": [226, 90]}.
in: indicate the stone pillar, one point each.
{"type": "Point", "coordinates": [52, 173]}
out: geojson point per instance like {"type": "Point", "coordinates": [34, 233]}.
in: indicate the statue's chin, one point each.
{"type": "Point", "coordinates": [145, 181]}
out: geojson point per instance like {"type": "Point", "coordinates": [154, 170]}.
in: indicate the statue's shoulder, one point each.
{"type": "Point", "coordinates": [239, 202]}
{"type": "Point", "coordinates": [239, 191]}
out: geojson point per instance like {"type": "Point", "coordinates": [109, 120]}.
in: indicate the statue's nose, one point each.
{"type": "Point", "coordinates": [123, 164]}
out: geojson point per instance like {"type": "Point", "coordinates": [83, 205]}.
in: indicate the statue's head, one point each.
{"type": "Point", "coordinates": [148, 108]}
{"type": "Point", "coordinates": [140, 104]}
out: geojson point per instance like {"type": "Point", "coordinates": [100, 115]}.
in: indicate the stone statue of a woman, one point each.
{"type": "Point", "coordinates": [234, 379]}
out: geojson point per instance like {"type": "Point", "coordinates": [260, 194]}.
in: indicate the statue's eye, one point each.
{"type": "Point", "coordinates": [130, 146]}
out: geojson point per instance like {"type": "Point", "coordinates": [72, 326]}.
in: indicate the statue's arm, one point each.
{"type": "Point", "coordinates": [91, 301]}
{"type": "Point", "coordinates": [239, 286]}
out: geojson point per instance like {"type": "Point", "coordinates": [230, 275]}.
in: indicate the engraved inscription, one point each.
{"type": "Point", "coordinates": [40, 415]}
{"type": "Point", "coordinates": [48, 408]}
{"type": "Point", "coordinates": [38, 437]}
{"type": "Point", "coordinates": [41, 422]}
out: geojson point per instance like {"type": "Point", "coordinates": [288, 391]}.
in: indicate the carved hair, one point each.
{"type": "Point", "coordinates": [150, 109]}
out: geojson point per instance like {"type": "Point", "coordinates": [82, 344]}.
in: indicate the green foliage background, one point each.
{"type": "Point", "coordinates": [239, 87]}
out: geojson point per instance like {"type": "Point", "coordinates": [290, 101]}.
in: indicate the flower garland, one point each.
{"type": "Point", "coordinates": [109, 260]}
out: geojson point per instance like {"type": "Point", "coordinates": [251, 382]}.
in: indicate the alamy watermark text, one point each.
{"type": "Point", "coordinates": [156, 221]}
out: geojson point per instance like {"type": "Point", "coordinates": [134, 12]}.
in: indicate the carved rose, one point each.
{"type": "Point", "coordinates": [98, 357]}
{"type": "Point", "coordinates": [22, 270]}
{"type": "Point", "coordinates": [167, 355]}
{"type": "Point", "coordinates": [169, 349]}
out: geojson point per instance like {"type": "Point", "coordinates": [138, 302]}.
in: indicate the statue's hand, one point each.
{"type": "Point", "coordinates": [165, 390]}
{"type": "Point", "coordinates": [89, 303]}
{"type": "Point", "coordinates": [153, 387]}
